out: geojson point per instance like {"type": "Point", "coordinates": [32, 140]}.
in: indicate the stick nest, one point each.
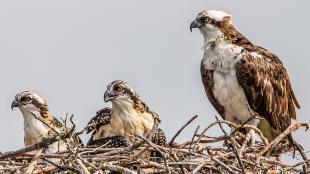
{"type": "Point", "coordinates": [198, 155]}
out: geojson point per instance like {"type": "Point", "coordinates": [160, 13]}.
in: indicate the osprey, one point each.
{"type": "Point", "coordinates": [128, 116]}
{"type": "Point", "coordinates": [36, 118]}
{"type": "Point", "coordinates": [241, 78]}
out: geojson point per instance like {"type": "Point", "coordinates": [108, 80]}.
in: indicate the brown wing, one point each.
{"type": "Point", "coordinates": [102, 117]}
{"type": "Point", "coordinates": [159, 137]}
{"type": "Point", "coordinates": [267, 87]}
{"type": "Point", "coordinates": [208, 83]}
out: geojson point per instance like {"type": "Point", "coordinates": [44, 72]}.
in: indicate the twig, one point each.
{"type": "Point", "coordinates": [34, 161]}
{"type": "Point", "coordinates": [211, 125]}
{"type": "Point", "coordinates": [64, 168]}
{"type": "Point", "coordinates": [223, 165]}
{"type": "Point", "coordinates": [198, 168]}
{"type": "Point", "coordinates": [233, 144]}
{"type": "Point", "coordinates": [85, 171]}
{"type": "Point", "coordinates": [290, 129]}
{"type": "Point", "coordinates": [193, 137]}
{"type": "Point", "coordinates": [182, 128]}
{"type": "Point", "coordinates": [33, 147]}
{"type": "Point", "coordinates": [117, 169]}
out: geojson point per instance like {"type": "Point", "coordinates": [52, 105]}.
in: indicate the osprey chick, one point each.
{"type": "Point", "coordinates": [129, 116]}
{"type": "Point", "coordinates": [36, 118]}
{"type": "Point", "coordinates": [240, 78]}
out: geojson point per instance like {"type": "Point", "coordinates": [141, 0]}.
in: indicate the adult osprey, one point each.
{"type": "Point", "coordinates": [129, 116]}
{"type": "Point", "coordinates": [39, 123]}
{"type": "Point", "coordinates": [240, 78]}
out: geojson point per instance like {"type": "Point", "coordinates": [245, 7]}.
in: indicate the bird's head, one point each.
{"type": "Point", "coordinates": [120, 91]}
{"type": "Point", "coordinates": [28, 101]}
{"type": "Point", "coordinates": [212, 22]}
{"type": "Point", "coordinates": [123, 95]}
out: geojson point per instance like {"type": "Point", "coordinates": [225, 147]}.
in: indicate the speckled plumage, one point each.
{"type": "Point", "coordinates": [128, 116]}
{"type": "Point", "coordinates": [110, 142]}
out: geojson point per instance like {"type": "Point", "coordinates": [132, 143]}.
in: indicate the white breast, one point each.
{"type": "Point", "coordinates": [222, 59]}
{"type": "Point", "coordinates": [34, 127]}
{"type": "Point", "coordinates": [38, 130]}
{"type": "Point", "coordinates": [126, 121]}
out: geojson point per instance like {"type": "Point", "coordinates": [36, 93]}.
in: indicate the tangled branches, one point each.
{"type": "Point", "coordinates": [194, 156]}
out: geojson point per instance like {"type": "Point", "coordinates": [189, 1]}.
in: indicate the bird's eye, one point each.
{"type": "Point", "coordinates": [119, 88]}
{"type": "Point", "coordinates": [207, 19]}
{"type": "Point", "coordinates": [25, 99]}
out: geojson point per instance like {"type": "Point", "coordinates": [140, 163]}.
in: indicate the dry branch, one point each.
{"type": "Point", "coordinates": [197, 155]}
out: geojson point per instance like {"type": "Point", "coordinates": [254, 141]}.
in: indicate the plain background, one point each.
{"type": "Point", "coordinates": [69, 50]}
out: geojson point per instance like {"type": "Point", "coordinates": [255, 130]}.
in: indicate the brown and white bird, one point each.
{"type": "Point", "coordinates": [129, 116]}
{"type": "Point", "coordinates": [39, 123]}
{"type": "Point", "coordinates": [240, 77]}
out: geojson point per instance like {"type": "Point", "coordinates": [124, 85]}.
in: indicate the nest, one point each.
{"type": "Point", "coordinates": [194, 156]}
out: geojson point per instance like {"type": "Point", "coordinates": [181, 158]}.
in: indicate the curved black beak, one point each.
{"type": "Point", "coordinates": [195, 24]}
{"type": "Point", "coordinates": [108, 96]}
{"type": "Point", "coordinates": [15, 104]}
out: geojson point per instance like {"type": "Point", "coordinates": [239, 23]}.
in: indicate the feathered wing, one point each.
{"type": "Point", "coordinates": [208, 83]}
{"type": "Point", "coordinates": [103, 117]}
{"type": "Point", "coordinates": [57, 125]}
{"type": "Point", "coordinates": [267, 86]}
{"type": "Point", "coordinates": [158, 136]}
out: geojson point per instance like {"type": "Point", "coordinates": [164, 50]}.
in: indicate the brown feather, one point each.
{"type": "Point", "coordinates": [208, 83]}
{"type": "Point", "coordinates": [273, 96]}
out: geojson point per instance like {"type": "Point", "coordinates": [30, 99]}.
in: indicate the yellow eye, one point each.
{"type": "Point", "coordinates": [207, 19]}
{"type": "Point", "coordinates": [119, 89]}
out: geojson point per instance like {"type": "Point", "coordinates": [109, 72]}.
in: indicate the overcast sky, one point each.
{"type": "Point", "coordinates": [69, 51]}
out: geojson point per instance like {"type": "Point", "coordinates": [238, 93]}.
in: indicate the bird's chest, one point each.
{"type": "Point", "coordinates": [221, 59]}
{"type": "Point", "coordinates": [128, 124]}
{"type": "Point", "coordinates": [231, 96]}
{"type": "Point", "coordinates": [34, 130]}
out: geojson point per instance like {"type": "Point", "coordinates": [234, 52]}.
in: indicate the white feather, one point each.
{"type": "Point", "coordinates": [217, 15]}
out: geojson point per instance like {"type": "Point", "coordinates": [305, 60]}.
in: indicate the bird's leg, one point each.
{"type": "Point", "coordinates": [251, 135]}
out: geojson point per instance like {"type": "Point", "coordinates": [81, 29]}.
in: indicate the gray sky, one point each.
{"type": "Point", "coordinates": [68, 51]}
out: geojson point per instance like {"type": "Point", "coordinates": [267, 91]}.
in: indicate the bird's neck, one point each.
{"type": "Point", "coordinates": [122, 107]}
{"type": "Point", "coordinates": [34, 129]}
{"type": "Point", "coordinates": [210, 35]}
{"type": "Point", "coordinates": [133, 120]}
{"type": "Point", "coordinates": [30, 115]}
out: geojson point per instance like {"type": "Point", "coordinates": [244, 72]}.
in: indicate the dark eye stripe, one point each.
{"type": "Point", "coordinates": [26, 99]}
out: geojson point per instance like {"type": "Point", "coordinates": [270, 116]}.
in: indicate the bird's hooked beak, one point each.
{"type": "Point", "coordinates": [195, 24]}
{"type": "Point", "coordinates": [108, 96]}
{"type": "Point", "coordinates": [15, 104]}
